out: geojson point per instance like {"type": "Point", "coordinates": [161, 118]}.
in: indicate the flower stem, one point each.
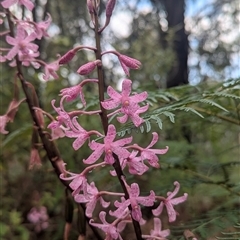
{"type": "Point", "coordinates": [104, 120]}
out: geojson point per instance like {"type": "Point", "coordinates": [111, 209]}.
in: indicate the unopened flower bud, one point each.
{"type": "Point", "coordinates": [128, 62]}
{"type": "Point", "coordinates": [90, 6]}
{"type": "Point", "coordinates": [109, 8]}
{"type": "Point", "coordinates": [67, 57]}
{"type": "Point", "coordinates": [3, 122]}
{"type": "Point", "coordinates": [35, 159]}
{"type": "Point", "coordinates": [88, 67]}
{"type": "Point", "coordinates": [13, 108]}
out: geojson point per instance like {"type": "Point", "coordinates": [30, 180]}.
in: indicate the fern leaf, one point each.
{"type": "Point", "coordinates": [158, 121]}
{"type": "Point", "coordinates": [225, 95]}
{"type": "Point", "coordinates": [189, 109]}
{"type": "Point", "coordinates": [148, 126]}
{"type": "Point", "coordinates": [170, 116]}
{"type": "Point", "coordinates": [210, 102]}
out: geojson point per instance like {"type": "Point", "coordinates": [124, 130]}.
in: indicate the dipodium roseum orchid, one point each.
{"type": "Point", "coordinates": [50, 70]}
{"type": "Point", "coordinates": [150, 154]}
{"type": "Point", "coordinates": [22, 44]}
{"type": "Point", "coordinates": [41, 27]}
{"type": "Point", "coordinates": [135, 164]}
{"type": "Point", "coordinates": [79, 133]}
{"type": "Point", "coordinates": [169, 202]}
{"type": "Point", "coordinates": [62, 118]}
{"type": "Point", "coordinates": [35, 159]}
{"type": "Point", "coordinates": [3, 122]}
{"type": "Point", "coordinates": [88, 67]}
{"type": "Point", "coordinates": [78, 183]}
{"type": "Point", "coordinates": [134, 200]}
{"type": "Point", "coordinates": [128, 62]}
{"type": "Point", "coordinates": [129, 104]}
{"type": "Point", "coordinates": [157, 232]}
{"type": "Point", "coordinates": [72, 93]}
{"type": "Point", "coordinates": [109, 147]}
{"type": "Point", "coordinates": [27, 3]}
{"type": "Point", "coordinates": [125, 61]}
{"type": "Point", "coordinates": [111, 231]}
{"type": "Point", "coordinates": [132, 112]}
{"type": "Point", "coordinates": [91, 197]}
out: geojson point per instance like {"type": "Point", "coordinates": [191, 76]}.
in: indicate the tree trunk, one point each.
{"type": "Point", "coordinates": [175, 9]}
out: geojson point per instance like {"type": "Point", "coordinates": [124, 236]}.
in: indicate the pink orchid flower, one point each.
{"type": "Point", "coordinates": [41, 27]}
{"type": "Point", "coordinates": [90, 198]}
{"type": "Point", "coordinates": [129, 104]}
{"type": "Point", "coordinates": [109, 147]}
{"type": "Point", "coordinates": [27, 3]}
{"type": "Point", "coordinates": [134, 200]}
{"type": "Point", "coordinates": [151, 154]}
{"type": "Point", "coordinates": [111, 231]}
{"type": "Point", "coordinates": [21, 44]}
{"type": "Point", "coordinates": [78, 183]}
{"type": "Point", "coordinates": [169, 202]}
{"type": "Point", "coordinates": [50, 70]}
{"type": "Point", "coordinates": [128, 62]}
{"type": "Point", "coordinates": [135, 164]}
{"type": "Point", "coordinates": [157, 232]}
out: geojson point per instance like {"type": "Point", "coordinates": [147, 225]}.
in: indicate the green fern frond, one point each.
{"type": "Point", "coordinates": [212, 103]}
{"type": "Point", "coordinates": [224, 95]}
{"type": "Point", "coordinates": [209, 225]}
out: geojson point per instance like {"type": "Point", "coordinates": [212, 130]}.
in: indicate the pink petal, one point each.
{"type": "Point", "coordinates": [109, 159]}
{"type": "Point", "coordinates": [139, 97]}
{"type": "Point", "coordinates": [12, 53]}
{"type": "Point", "coordinates": [111, 134]}
{"type": "Point", "coordinates": [104, 203]}
{"type": "Point", "coordinates": [172, 214]}
{"type": "Point", "coordinates": [10, 40]}
{"type": "Point", "coordinates": [125, 68]}
{"type": "Point", "coordinates": [122, 142]}
{"type": "Point", "coordinates": [137, 121]}
{"type": "Point", "coordinates": [151, 158]}
{"type": "Point", "coordinates": [79, 142]}
{"type": "Point", "coordinates": [110, 104]}
{"type": "Point", "coordinates": [94, 145]}
{"type": "Point", "coordinates": [21, 34]}
{"type": "Point", "coordinates": [136, 213]}
{"type": "Point", "coordinates": [114, 94]}
{"type": "Point", "coordinates": [157, 211]}
{"type": "Point", "coordinates": [137, 168]}
{"type": "Point", "coordinates": [90, 207]}
{"type": "Point", "coordinates": [134, 192]}
{"type": "Point", "coordinates": [28, 4]}
{"type": "Point", "coordinates": [160, 151]}
{"type": "Point", "coordinates": [8, 3]}
{"type": "Point", "coordinates": [175, 191]}
{"type": "Point", "coordinates": [154, 140]}
{"type": "Point", "coordinates": [126, 87]}
{"type": "Point", "coordinates": [148, 200]}
{"type": "Point", "coordinates": [123, 118]}
{"type": "Point", "coordinates": [178, 200]}
{"type": "Point", "coordinates": [95, 155]}
{"type": "Point", "coordinates": [80, 198]}
{"type": "Point", "coordinates": [121, 152]}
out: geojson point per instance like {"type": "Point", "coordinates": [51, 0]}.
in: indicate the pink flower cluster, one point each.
{"type": "Point", "coordinates": [107, 149]}
{"type": "Point", "coordinates": [39, 218]}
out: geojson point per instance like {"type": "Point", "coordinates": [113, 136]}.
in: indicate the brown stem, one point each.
{"type": "Point", "coordinates": [104, 120]}
{"type": "Point", "coordinates": [49, 146]}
